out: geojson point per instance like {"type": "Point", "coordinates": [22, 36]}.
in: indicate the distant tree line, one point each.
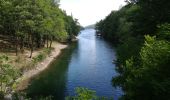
{"type": "Point", "coordinates": [34, 24]}
{"type": "Point", "coordinates": [141, 32]}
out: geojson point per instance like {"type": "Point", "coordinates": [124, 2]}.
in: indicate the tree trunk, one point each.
{"type": "Point", "coordinates": [1, 85]}
{"type": "Point", "coordinates": [47, 41]}
{"type": "Point", "coordinates": [1, 80]}
{"type": "Point", "coordinates": [16, 48]}
{"type": "Point", "coordinates": [43, 42]}
{"type": "Point", "coordinates": [32, 45]}
{"type": "Point", "coordinates": [51, 41]}
{"type": "Point", "coordinates": [22, 45]}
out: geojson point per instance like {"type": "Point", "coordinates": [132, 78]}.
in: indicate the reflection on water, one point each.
{"type": "Point", "coordinates": [52, 82]}
{"type": "Point", "coordinates": [88, 64]}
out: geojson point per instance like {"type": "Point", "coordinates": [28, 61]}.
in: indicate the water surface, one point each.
{"type": "Point", "coordinates": [87, 63]}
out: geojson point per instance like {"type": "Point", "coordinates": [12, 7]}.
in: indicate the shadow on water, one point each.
{"type": "Point", "coordinates": [52, 82]}
{"type": "Point", "coordinates": [87, 63]}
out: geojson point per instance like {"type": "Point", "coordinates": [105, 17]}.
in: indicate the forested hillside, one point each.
{"type": "Point", "coordinates": [141, 32]}
{"type": "Point", "coordinates": [28, 25]}
{"type": "Point", "coordinates": [90, 26]}
{"type": "Point", "coordinates": [34, 23]}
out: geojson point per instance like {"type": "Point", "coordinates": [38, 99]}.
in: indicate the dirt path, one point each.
{"type": "Point", "coordinates": [24, 80]}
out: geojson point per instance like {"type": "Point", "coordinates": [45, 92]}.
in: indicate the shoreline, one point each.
{"type": "Point", "coordinates": [23, 81]}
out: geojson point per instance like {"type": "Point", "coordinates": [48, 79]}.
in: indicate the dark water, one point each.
{"type": "Point", "coordinates": [87, 63]}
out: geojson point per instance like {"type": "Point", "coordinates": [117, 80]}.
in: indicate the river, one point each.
{"type": "Point", "coordinates": [87, 63]}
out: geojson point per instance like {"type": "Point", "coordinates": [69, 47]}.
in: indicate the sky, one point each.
{"type": "Point", "coordinates": [90, 11]}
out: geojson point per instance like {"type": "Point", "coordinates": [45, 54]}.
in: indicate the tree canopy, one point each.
{"type": "Point", "coordinates": [34, 23]}
{"type": "Point", "coordinates": [140, 30]}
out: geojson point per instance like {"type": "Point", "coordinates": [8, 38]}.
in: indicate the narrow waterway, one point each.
{"type": "Point", "coordinates": [87, 63]}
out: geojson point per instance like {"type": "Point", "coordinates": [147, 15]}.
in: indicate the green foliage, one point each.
{"type": "Point", "coordinates": [1, 95]}
{"type": "Point", "coordinates": [120, 27]}
{"type": "Point", "coordinates": [130, 48]}
{"type": "Point", "coordinates": [38, 58]}
{"type": "Point", "coordinates": [72, 27]}
{"type": "Point", "coordinates": [117, 26]}
{"type": "Point", "coordinates": [33, 23]}
{"type": "Point", "coordinates": [150, 79]}
{"type": "Point", "coordinates": [143, 60]}
{"type": "Point", "coordinates": [46, 98]}
{"type": "Point", "coordinates": [85, 94]}
{"type": "Point", "coordinates": [42, 55]}
{"type": "Point", "coordinates": [164, 31]}
{"type": "Point", "coordinates": [8, 74]}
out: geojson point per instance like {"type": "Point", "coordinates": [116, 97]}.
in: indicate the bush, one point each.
{"type": "Point", "coordinates": [150, 80]}
{"type": "Point", "coordinates": [85, 94]}
{"type": "Point", "coordinates": [39, 58]}
{"type": "Point", "coordinates": [1, 95]}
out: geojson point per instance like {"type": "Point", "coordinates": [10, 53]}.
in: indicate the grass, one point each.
{"type": "Point", "coordinates": [42, 55]}
{"type": "Point", "coordinates": [23, 62]}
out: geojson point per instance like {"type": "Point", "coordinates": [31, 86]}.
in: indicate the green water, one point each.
{"type": "Point", "coordinates": [52, 82]}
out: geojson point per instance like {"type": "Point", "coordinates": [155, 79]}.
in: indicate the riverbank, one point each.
{"type": "Point", "coordinates": [23, 81]}
{"type": "Point", "coordinates": [87, 63]}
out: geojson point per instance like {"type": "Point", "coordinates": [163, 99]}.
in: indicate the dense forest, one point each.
{"type": "Point", "coordinates": [141, 32]}
{"type": "Point", "coordinates": [30, 25]}
{"type": "Point", "coordinates": [33, 23]}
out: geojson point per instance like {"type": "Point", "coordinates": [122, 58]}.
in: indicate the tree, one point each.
{"type": "Point", "coordinates": [142, 60]}
{"type": "Point", "coordinates": [34, 23]}
{"type": "Point", "coordinates": [85, 94]}
{"type": "Point", "coordinates": [150, 79]}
